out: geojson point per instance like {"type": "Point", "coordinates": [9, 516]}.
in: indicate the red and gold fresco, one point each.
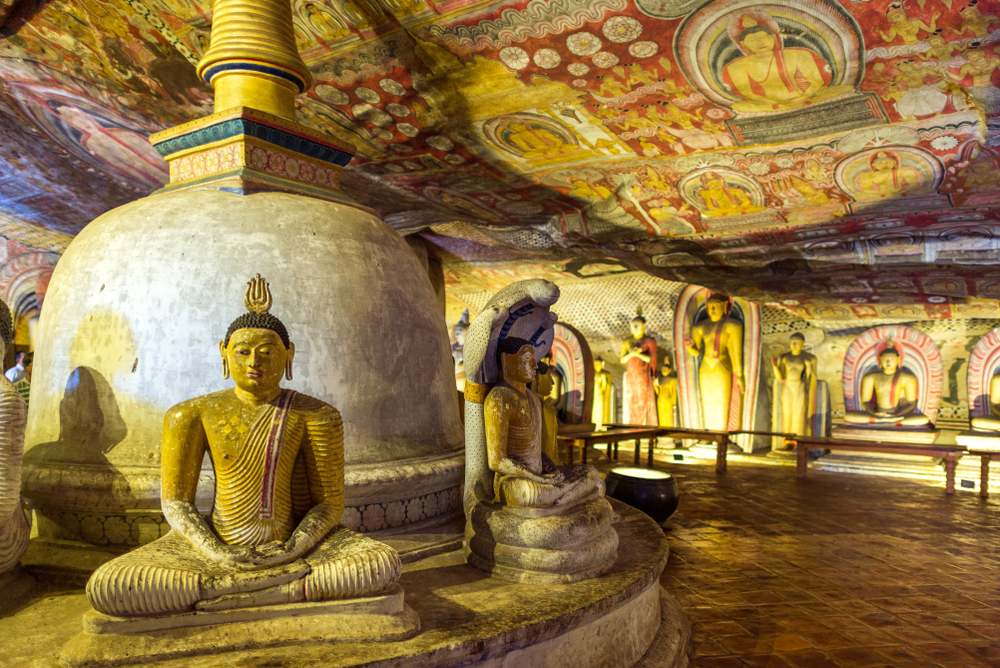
{"type": "Point", "coordinates": [758, 147]}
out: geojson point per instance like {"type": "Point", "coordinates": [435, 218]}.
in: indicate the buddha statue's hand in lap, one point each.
{"type": "Point", "coordinates": [894, 390]}
{"type": "Point", "coordinates": [523, 475]}
{"type": "Point", "coordinates": [278, 458]}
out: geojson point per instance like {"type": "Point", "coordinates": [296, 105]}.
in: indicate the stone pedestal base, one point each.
{"type": "Point", "coordinates": [980, 440]}
{"type": "Point", "coordinates": [555, 545]}
{"type": "Point", "coordinates": [119, 641]}
{"type": "Point", "coordinates": [888, 434]}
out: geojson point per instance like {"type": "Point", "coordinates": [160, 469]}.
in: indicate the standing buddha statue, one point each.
{"type": "Point", "coordinates": [666, 393]}
{"type": "Point", "coordinates": [795, 372]}
{"type": "Point", "coordinates": [604, 392]}
{"type": "Point", "coordinates": [639, 357]}
{"type": "Point", "coordinates": [720, 375]}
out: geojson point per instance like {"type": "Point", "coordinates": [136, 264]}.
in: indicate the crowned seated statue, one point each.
{"type": "Point", "coordinates": [894, 390]}
{"type": "Point", "coordinates": [529, 520]}
{"type": "Point", "coordinates": [273, 538]}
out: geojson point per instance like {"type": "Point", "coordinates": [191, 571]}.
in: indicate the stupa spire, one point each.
{"type": "Point", "coordinates": [252, 60]}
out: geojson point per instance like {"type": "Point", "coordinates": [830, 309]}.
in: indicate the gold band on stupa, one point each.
{"type": "Point", "coordinates": [253, 60]}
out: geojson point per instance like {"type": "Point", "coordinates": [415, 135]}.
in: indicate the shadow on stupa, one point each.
{"type": "Point", "coordinates": [90, 422]}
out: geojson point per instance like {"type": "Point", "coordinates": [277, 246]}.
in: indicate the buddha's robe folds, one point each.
{"type": "Point", "coordinates": [290, 460]}
{"type": "Point", "coordinates": [14, 526]}
{"type": "Point", "coordinates": [640, 395]}
{"type": "Point", "coordinates": [523, 444]}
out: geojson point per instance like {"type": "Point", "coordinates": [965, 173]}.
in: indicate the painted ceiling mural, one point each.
{"type": "Point", "coordinates": [805, 153]}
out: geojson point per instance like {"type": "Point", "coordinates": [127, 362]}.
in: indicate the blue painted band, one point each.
{"type": "Point", "coordinates": [216, 70]}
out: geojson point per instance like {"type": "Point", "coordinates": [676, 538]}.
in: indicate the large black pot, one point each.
{"type": "Point", "coordinates": [653, 492]}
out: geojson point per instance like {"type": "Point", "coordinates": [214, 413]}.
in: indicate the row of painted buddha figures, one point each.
{"type": "Point", "coordinates": [274, 537]}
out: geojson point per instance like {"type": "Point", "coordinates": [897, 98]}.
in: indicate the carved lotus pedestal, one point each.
{"type": "Point", "coordinates": [554, 545]}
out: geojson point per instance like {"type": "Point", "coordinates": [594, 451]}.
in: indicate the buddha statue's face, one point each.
{"type": "Point", "coordinates": [598, 366]}
{"type": "Point", "coordinates": [638, 328]}
{"type": "Point", "coordinates": [716, 310]}
{"type": "Point", "coordinates": [520, 367]}
{"type": "Point", "coordinates": [759, 42]}
{"type": "Point", "coordinates": [889, 362]}
{"type": "Point", "coordinates": [795, 345]}
{"type": "Point", "coordinates": [257, 359]}
{"type": "Point", "coordinates": [666, 368]}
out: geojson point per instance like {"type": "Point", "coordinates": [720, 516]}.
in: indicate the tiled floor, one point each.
{"type": "Point", "coordinates": [839, 570]}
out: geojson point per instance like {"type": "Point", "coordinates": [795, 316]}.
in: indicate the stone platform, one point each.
{"type": "Point", "coordinates": [980, 440]}
{"type": "Point", "coordinates": [891, 434]}
{"type": "Point", "coordinates": [622, 619]}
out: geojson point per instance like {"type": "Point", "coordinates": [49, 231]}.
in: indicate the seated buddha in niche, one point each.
{"type": "Point", "coordinates": [771, 77]}
{"type": "Point", "coordinates": [894, 391]}
{"type": "Point", "coordinates": [524, 476]}
{"type": "Point", "coordinates": [273, 536]}
{"type": "Point", "coordinates": [720, 199]}
{"type": "Point", "coordinates": [990, 422]}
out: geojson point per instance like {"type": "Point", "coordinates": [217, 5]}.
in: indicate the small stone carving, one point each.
{"type": "Point", "coordinates": [528, 520]}
{"type": "Point", "coordinates": [273, 538]}
{"type": "Point", "coordinates": [15, 526]}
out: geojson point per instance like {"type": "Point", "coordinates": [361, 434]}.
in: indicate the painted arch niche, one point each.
{"type": "Point", "coordinates": [24, 279]}
{"type": "Point", "coordinates": [983, 366]}
{"type": "Point", "coordinates": [918, 353]}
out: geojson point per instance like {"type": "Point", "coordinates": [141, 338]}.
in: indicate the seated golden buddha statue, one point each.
{"type": "Point", "coordinates": [990, 422]}
{"type": "Point", "coordinates": [14, 525]}
{"type": "Point", "coordinates": [273, 536]}
{"type": "Point", "coordinates": [529, 520]}
{"type": "Point", "coordinates": [894, 390]}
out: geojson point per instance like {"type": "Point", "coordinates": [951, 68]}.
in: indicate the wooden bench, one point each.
{"type": "Point", "coordinates": [950, 453]}
{"type": "Point", "coordinates": [720, 438]}
{"type": "Point", "coordinates": [612, 437]}
{"type": "Point", "coordinates": [985, 457]}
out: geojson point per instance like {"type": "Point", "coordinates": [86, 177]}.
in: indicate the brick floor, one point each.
{"type": "Point", "coordinates": [839, 570]}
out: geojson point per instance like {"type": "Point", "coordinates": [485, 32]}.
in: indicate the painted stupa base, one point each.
{"type": "Point", "coordinates": [554, 545]}
{"type": "Point", "coordinates": [120, 641]}
{"type": "Point", "coordinates": [979, 440]}
{"type": "Point", "coordinates": [890, 433]}
{"type": "Point", "coordinates": [623, 618]}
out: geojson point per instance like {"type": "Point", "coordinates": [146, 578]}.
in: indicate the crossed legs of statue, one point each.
{"type": "Point", "coordinates": [167, 576]}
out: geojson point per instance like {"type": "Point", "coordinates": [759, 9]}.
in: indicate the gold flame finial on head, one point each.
{"type": "Point", "coordinates": [257, 298]}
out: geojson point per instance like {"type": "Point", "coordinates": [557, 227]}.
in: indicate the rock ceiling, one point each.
{"type": "Point", "coordinates": [802, 152]}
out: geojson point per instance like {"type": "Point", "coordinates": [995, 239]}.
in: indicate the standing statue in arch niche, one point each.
{"type": "Point", "coordinates": [604, 392]}
{"type": "Point", "coordinates": [273, 538]}
{"type": "Point", "coordinates": [888, 394]}
{"type": "Point", "coordinates": [795, 372]}
{"type": "Point", "coordinates": [639, 357]}
{"type": "Point", "coordinates": [528, 520]}
{"type": "Point", "coordinates": [720, 376]}
{"type": "Point", "coordinates": [15, 526]}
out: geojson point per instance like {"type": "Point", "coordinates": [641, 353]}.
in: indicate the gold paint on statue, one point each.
{"type": "Point", "coordinates": [666, 394]}
{"type": "Point", "coordinates": [603, 396]}
{"type": "Point", "coordinates": [721, 370]}
{"type": "Point", "coordinates": [278, 457]}
{"type": "Point", "coordinates": [894, 390]}
{"type": "Point", "coordinates": [796, 370]}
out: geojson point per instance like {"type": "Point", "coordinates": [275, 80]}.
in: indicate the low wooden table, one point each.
{"type": "Point", "coordinates": [985, 457]}
{"type": "Point", "coordinates": [612, 437]}
{"type": "Point", "coordinates": [950, 453]}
